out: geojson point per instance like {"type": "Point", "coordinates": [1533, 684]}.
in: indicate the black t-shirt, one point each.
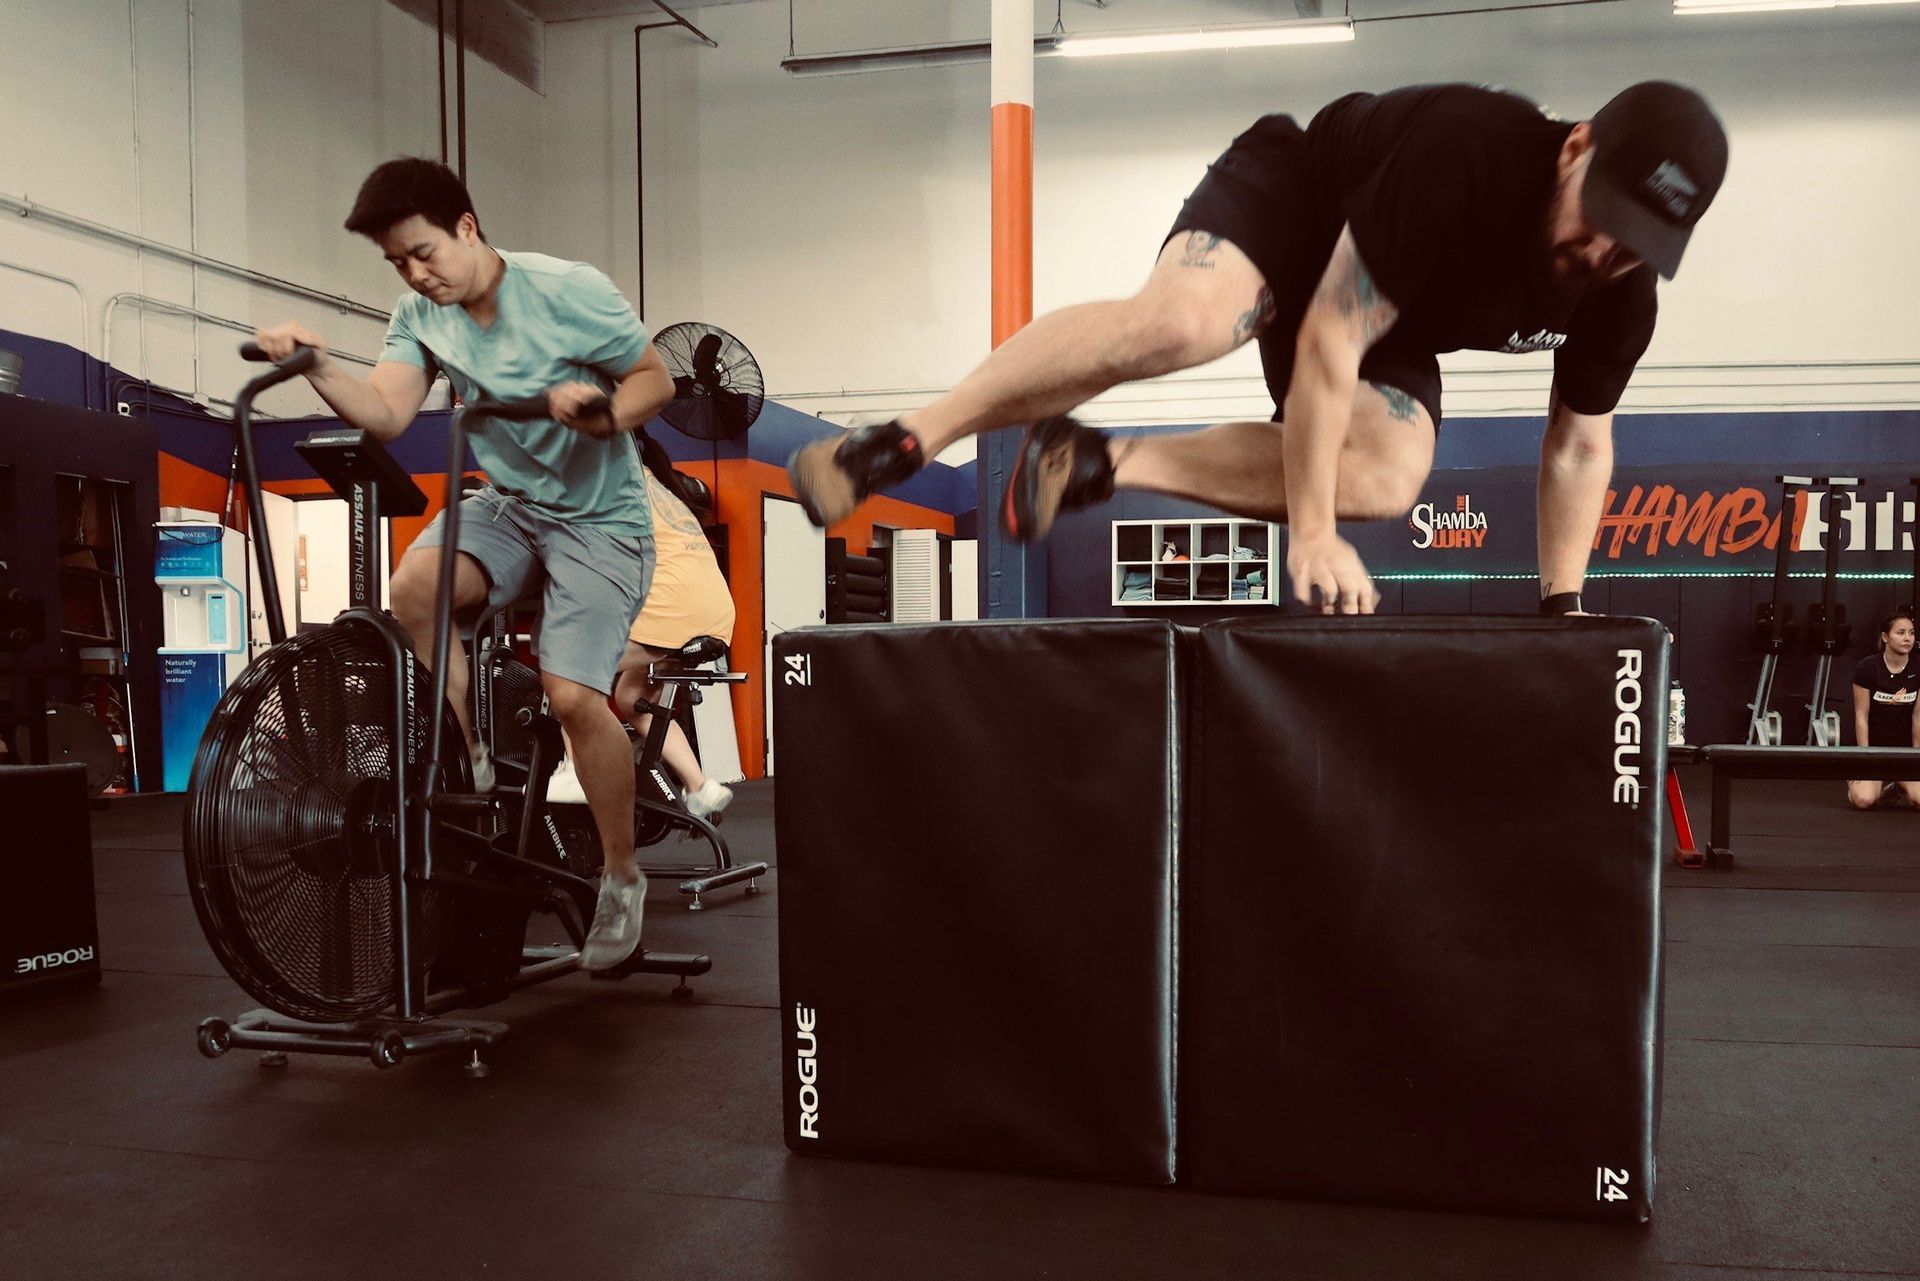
{"type": "Point", "coordinates": [1890, 714]}
{"type": "Point", "coordinates": [1447, 189]}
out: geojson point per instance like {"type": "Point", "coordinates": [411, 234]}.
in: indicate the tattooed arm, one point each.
{"type": "Point", "coordinates": [1576, 462]}
{"type": "Point", "coordinates": [1347, 315]}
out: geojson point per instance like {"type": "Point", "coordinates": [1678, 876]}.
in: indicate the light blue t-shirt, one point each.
{"type": "Point", "coordinates": [557, 322]}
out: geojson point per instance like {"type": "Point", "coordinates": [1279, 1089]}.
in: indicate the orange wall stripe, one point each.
{"type": "Point", "coordinates": [184, 485]}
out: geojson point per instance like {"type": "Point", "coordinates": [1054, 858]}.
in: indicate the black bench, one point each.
{"type": "Point", "coordinates": [1740, 760]}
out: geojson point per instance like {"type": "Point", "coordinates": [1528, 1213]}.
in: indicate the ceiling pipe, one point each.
{"type": "Point", "coordinates": [639, 149]}
{"type": "Point", "coordinates": [460, 80]}
{"type": "Point", "coordinates": [440, 47]}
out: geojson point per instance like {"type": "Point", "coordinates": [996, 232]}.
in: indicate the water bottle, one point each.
{"type": "Point", "coordinates": [1676, 716]}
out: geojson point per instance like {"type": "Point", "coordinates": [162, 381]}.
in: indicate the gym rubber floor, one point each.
{"type": "Point", "coordinates": [623, 1134]}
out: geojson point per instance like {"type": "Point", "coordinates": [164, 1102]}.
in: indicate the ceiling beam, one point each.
{"type": "Point", "coordinates": [499, 31]}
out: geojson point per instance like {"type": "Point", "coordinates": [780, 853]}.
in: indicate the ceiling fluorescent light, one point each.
{"type": "Point", "coordinates": [1746, 6]}
{"type": "Point", "coordinates": [921, 55]}
{"type": "Point", "coordinates": [1248, 37]}
{"type": "Point", "coordinates": [1060, 44]}
{"type": "Point", "coordinates": [1767, 6]}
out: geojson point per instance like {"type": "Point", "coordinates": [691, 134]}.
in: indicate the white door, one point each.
{"type": "Point", "coordinates": [324, 569]}
{"type": "Point", "coordinates": [283, 532]}
{"type": "Point", "coordinates": [323, 559]}
{"type": "Point", "coordinates": [966, 578]}
{"type": "Point", "coordinates": [793, 582]}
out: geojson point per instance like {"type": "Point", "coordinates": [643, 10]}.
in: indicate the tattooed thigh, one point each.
{"type": "Point", "coordinates": [1400, 406]}
{"type": "Point", "coordinates": [1200, 249]}
{"type": "Point", "coordinates": [1254, 320]}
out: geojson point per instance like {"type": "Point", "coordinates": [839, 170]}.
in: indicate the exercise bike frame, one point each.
{"type": "Point", "coordinates": [654, 791]}
{"type": "Point", "coordinates": [418, 802]}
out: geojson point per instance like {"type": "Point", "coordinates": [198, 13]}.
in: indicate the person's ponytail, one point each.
{"type": "Point", "coordinates": [656, 461]}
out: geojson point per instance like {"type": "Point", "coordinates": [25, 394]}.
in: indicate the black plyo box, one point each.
{"type": "Point", "coordinates": [977, 835]}
{"type": "Point", "coordinates": [49, 936]}
{"type": "Point", "coordinates": [1420, 912]}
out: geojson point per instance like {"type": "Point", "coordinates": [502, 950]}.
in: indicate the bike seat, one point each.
{"type": "Point", "coordinates": [703, 650]}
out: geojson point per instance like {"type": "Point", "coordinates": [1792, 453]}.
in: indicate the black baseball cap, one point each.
{"type": "Point", "coordinates": [1659, 155]}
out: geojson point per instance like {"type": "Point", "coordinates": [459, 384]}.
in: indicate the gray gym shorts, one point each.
{"type": "Point", "coordinates": [592, 581]}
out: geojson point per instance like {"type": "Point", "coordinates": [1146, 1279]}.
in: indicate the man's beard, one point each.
{"type": "Point", "coordinates": [1568, 273]}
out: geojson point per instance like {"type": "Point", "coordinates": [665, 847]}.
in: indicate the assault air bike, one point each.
{"type": "Point", "coordinates": [344, 870]}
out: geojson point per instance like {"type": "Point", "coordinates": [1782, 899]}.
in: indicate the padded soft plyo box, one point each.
{"type": "Point", "coordinates": [48, 934]}
{"type": "Point", "coordinates": [1420, 912]}
{"type": "Point", "coordinates": [977, 834]}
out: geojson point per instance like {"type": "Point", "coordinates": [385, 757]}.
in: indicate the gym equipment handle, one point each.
{"type": "Point", "coordinates": [295, 364]}
{"type": "Point", "coordinates": [529, 408]}
{"type": "Point", "coordinates": [299, 362]}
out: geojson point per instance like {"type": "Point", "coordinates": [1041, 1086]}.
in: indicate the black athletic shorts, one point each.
{"type": "Point", "coordinates": [1262, 196]}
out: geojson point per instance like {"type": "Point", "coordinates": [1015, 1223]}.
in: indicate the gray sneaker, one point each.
{"type": "Point", "coordinates": [616, 923]}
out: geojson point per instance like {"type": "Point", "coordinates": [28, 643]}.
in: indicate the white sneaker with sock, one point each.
{"type": "Point", "coordinates": [708, 799]}
{"type": "Point", "coordinates": [482, 766]}
{"type": "Point", "coordinates": [564, 787]}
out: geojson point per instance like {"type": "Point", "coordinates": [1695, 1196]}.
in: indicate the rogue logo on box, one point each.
{"type": "Point", "coordinates": [807, 1042]}
{"type": "Point", "coordinates": [52, 960]}
{"type": "Point", "coordinates": [1627, 697]}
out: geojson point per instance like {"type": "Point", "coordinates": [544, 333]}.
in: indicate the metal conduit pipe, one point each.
{"type": "Point", "coordinates": [27, 208]}
{"type": "Point", "coordinates": [460, 82]}
{"type": "Point", "coordinates": [193, 201]}
{"type": "Point", "coordinates": [146, 302]}
{"type": "Point", "coordinates": [1229, 385]}
{"type": "Point", "coordinates": [86, 344]}
{"type": "Point", "coordinates": [1513, 371]}
{"type": "Point", "coordinates": [211, 402]}
{"type": "Point", "coordinates": [640, 146]}
{"type": "Point", "coordinates": [440, 45]}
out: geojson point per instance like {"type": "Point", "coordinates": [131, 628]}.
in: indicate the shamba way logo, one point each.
{"type": "Point", "coordinates": [1435, 528]}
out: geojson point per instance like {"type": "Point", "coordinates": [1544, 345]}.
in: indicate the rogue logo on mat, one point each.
{"type": "Point", "coordinates": [52, 960]}
{"type": "Point", "coordinates": [808, 1061]}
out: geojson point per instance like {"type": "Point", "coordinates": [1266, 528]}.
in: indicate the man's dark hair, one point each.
{"type": "Point", "coordinates": [399, 189]}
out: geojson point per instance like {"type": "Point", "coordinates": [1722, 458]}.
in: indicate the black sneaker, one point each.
{"type": "Point", "coordinates": [1061, 466]}
{"type": "Point", "coordinates": [833, 475]}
